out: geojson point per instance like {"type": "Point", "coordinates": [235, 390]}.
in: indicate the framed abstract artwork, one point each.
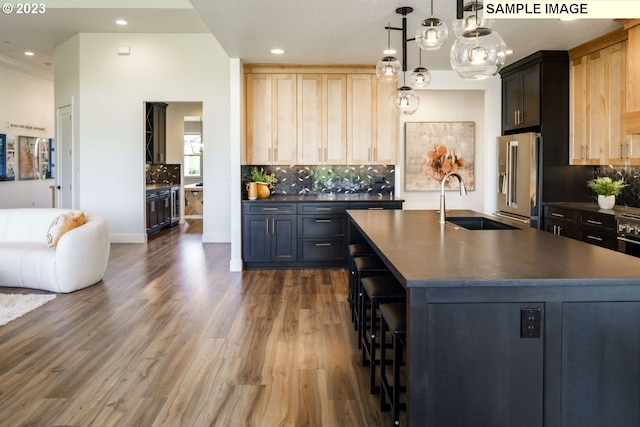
{"type": "Point", "coordinates": [34, 160]}
{"type": "Point", "coordinates": [433, 149]}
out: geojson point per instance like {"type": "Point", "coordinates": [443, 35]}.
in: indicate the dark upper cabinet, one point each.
{"type": "Point", "coordinates": [521, 99]}
{"type": "Point", "coordinates": [155, 132]}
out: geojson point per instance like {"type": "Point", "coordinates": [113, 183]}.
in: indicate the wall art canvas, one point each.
{"type": "Point", "coordinates": [433, 149]}
{"type": "Point", "coordinates": [33, 158]}
{"type": "Point", "coordinates": [7, 160]}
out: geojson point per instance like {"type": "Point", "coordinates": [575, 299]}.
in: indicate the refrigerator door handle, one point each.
{"type": "Point", "coordinates": [512, 174]}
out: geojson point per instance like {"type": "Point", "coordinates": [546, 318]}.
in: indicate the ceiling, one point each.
{"type": "Point", "coordinates": [311, 32]}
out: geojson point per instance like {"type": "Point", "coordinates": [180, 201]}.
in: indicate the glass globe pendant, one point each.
{"type": "Point", "coordinates": [405, 101]}
{"type": "Point", "coordinates": [432, 33]}
{"type": "Point", "coordinates": [478, 57]}
{"type": "Point", "coordinates": [473, 20]}
{"type": "Point", "coordinates": [420, 77]}
{"type": "Point", "coordinates": [387, 69]}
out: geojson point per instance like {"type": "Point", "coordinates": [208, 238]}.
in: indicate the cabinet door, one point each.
{"type": "Point", "coordinates": [619, 147]}
{"type": "Point", "coordinates": [283, 235]}
{"type": "Point", "coordinates": [256, 243]}
{"type": "Point", "coordinates": [481, 371]}
{"type": "Point", "coordinates": [334, 119]}
{"type": "Point", "coordinates": [597, 123]}
{"type": "Point", "coordinates": [384, 151]}
{"type": "Point", "coordinates": [361, 102]}
{"type": "Point", "coordinates": [511, 100]}
{"type": "Point", "coordinates": [284, 134]}
{"type": "Point", "coordinates": [578, 111]}
{"type": "Point", "coordinates": [530, 108]}
{"type": "Point", "coordinates": [310, 147]}
{"type": "Point", "coordinates": [259, 128]}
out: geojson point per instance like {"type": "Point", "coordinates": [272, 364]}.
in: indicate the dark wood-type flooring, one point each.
{"type": "Point", "coordinates": [172, 338]}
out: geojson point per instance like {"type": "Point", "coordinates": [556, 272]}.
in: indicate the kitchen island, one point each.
{"type": "Point", "coordinates": [472, 359]}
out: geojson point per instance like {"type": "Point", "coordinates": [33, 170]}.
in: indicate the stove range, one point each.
{"type": "Point", "coordinates": [629, 233]}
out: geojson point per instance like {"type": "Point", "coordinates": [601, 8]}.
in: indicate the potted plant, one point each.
{"type": "Point", "coordinates": [607, 190]}
{"type": "Point", "coordinates": [265, 182]}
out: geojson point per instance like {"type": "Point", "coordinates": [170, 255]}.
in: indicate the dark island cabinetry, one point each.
{"type": "Point", "coordinates": [300, 232]}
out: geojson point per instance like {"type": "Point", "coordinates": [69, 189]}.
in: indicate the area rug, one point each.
{"type": "Point", "coordinates": [13, 306]}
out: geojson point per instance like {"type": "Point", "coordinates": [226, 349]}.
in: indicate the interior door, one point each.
{"type": "Point", "coordinates": [64, 190]}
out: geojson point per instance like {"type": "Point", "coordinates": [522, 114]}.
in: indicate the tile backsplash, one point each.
{"type": "Point", "coordinates": [162, 174]}
{"type": "Point", "coordinates": [630, 195]}
{"type": "Point", "coordinates": [296, 180]}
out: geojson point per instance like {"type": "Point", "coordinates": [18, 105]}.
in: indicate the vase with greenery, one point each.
{"type": "Point", "coordinates": [266, 181]}
{"type": "Point", "coordinates": [607, 189]}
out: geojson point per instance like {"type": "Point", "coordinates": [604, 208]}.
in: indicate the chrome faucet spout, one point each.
{"type": "Point", "coordinates": [463, 192]}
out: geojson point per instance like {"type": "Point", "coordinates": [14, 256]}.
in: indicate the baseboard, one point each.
{"type": "Point", "coordinates": [235, 265]}
{"type": "Point", "coordinates": [216, 238]}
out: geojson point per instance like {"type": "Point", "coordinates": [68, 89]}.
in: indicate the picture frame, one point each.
{"type": "Point", "coordinates": [433, 149]}
{"type": "Point", "coordinates": [33, 158]}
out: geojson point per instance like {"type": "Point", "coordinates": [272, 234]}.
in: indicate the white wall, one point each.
{"type": "Point", "coordinates": [450, 98]}
{"type": "Point", "coordinates": [27, 101]}
{"type": "Point", "coordinates": [110, 117]}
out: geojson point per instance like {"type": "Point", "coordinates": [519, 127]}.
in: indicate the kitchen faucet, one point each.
{"type": "Point", "coordinates": [463, 192]}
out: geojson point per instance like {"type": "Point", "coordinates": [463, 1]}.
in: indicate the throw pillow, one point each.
{"type": "Point", "coordinates": [54, 229]}
{"type": "Point", "coordinates": [70, 224]}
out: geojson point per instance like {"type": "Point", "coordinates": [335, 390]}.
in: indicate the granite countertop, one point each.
{"type": "Point", "coordinates": [421, 253]}
{"type": "Point", "coordinates": [357, 197]}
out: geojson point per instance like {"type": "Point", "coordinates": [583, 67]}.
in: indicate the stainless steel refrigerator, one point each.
{"type": "Point", "coordinates": [530, 174]}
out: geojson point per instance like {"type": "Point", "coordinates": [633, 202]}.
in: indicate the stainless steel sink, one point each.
{"type": "Point", "coordinates": [479, 223]}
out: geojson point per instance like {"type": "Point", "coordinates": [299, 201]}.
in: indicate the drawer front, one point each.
{"type": "Point", "coordinates": [375, 205]}
{"type": "Point", "coordinates": [597, 237]}
{"type": "Point", "coordinates": [559, 214]}
{"type": "Point", "coordinates": [334, 250]}
{"type": "Point", "coordinates": [269, 208]}
{"type": "Point", "coordinates": [596, 220]}
{"type": "Point", "coordinates": [322, 208]}
{"type": "Point", "coordinates": [322, 226]}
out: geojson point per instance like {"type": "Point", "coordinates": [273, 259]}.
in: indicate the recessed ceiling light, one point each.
{"type": "Point", "coordinates": [121, 22]}
{"type": "Point", "coordinates": [28, 53]}
{"type": "Point", "coordinates": [277, 51]}
{"type": "Point", "coordinates": [389, 51]}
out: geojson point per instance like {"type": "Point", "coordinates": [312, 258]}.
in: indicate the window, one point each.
{"type": "Point", "coordinates": [193, 147]}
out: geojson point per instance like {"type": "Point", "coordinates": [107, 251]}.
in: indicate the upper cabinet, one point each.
{"type": "Point", "coordinates": [521, 99]}
{"type": "Point", "coordinates": [315, 118]}
{"type": "Point", "coordinates": [155, 132]}
{"type": "Point", "coordinates": [271, 119]}
{"type": "Point", "coordinates": [598, 94]}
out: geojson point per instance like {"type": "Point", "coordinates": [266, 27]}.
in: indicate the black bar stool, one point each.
{"type": "Point", "coordinates": [356, 250]}
{"type": "Point", "coordinates": [376, 290]}
{"type": "Point", "coordinates": [365, 266]}
{"type": "Point", "coordinates": [393, 319]}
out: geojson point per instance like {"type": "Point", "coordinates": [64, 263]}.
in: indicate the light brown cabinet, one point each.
{"type": "Point", "coordinates": [271, 119]}
{"type": "Point", "coordinates": [598, 97]}
{"type": "Point", "coordinates": [314, 118]}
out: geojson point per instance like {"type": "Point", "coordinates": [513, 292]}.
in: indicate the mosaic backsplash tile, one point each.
{"type": "Point", "coordinates": [630, 195]}
{"type": "Point", "coordinates": [163, 174]}
{"type": "Point", "coordinates": [296, 180]}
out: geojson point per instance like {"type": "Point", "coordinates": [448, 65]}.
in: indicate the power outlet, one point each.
{"type": "Point", "coordinates": [378, 179]}
{"type": "Point", "coordinates": [530, 320]}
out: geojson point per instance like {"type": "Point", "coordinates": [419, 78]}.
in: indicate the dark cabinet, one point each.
{"type": "Point", "coordinates": [158, 210]}
{"type": "Point", "coordinates": [521, 99]}
{"type": "Point", "coordinates": [495, 381]}
{"type": "Point", "coordinates": [322, 231]}
{"type": "Point", "coordinates": [560, 222]}
{"type": "Point", "coordinates": [155, 132]}
{"type": "Point", "coordinates": [269, 233]}
{"type": "Point", "coordinates": [583, 224]}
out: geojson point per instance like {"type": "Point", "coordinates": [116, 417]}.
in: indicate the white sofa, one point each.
{"type": "Point", "coordinates": [79, 260]}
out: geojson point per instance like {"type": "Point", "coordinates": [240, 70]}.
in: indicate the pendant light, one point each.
{"type": "Point", "coordinates": [420, 77]}
{"type": "Point", "coordinates": [479, 52]}
{"type": "Point", "coordinates": [388, 67]}
{"type": "Point", "coordinates": [473, 19]}
{"type": "Point", "coordinates": [404, 101]}
{"type": "Point", "coordinates": [432, 33]}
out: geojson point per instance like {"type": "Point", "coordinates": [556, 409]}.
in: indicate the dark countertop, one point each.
{"type": "Point", "coordinates": [593, 207]}
{"type": "Point", "coordinates": [421, 253]}
{"type": "Point", "coordinates": [358, 197]}
{"type": "Point", "coordinates": [159, 186]}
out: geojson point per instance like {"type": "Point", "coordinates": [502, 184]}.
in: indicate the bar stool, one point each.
{"type": "Point", "coordinates": [365, 266]}
{"type": "Point", "coordinates": [376, 290]}
{"type": "Point", "coordinates": [356, 250]}
{"type": "Point", "coordinates": [393, 319]}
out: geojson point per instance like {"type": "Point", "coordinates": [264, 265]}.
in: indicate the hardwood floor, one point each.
{"type": "Point", "coordinates": [172, 338]}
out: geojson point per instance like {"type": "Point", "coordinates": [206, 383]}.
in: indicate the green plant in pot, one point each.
{"type": "Point", "coordinates": [607, 189]}
{"type": "Point", "coordinates": [265, 181]}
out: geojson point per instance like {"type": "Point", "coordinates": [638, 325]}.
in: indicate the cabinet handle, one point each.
{"type": "Point", "coordinates": [521, 113]}
{"type": "Point", "coordinates": [557, 214]}
{"type": "Point", "coordinates": [323, 220]}
{"type": "Point", "coordinates": [369, 154]}
{"type": "Point", "coordinates": [275, 154]}
{"type": "Point", "coordinates": [153, 206]}
{"type": "Point", "coordinates": [267, 220]}
{"type": "Point", "coordinates": [323, 244]}
{"type": "Point", "coordinates": [269, 209]}
{"type": "Point", "coordinates": [591, 221]}
{"type": "Point", "coordinates": [375, 209]}
{"type": "Point", "coordinates": [622, 150]}
{"type": "Point", "coordinates": [323, 209]}
{"type": "Point", "coordinates": [515, 117]}
{"type": "Point", "coordinates": [326, 154]}
{"type": "Point", "coordinates": [320, 154]}
{"type": "Point", "coordinates": [599, 239]}
{"type": "Point", "coordinates": [269, 155]}
{"type": "Point", "coordinates": [559, 231]}
{"type": "Point", "coordinates": [375, 154]}
{"type": "Point", "coordinates": [166, 203]}
{"type": "Point", "coordinates": [273, 226]}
